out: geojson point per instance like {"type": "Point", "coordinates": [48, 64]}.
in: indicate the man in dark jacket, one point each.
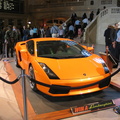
{"type": "Point", "coordinates": [1, 41]}
{"type": "Point", "coordinates": [10, 37]}
{"type": "Point", "coordinates": [109, 39]}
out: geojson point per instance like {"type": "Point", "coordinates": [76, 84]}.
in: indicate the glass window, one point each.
{"type": "Point", "coordinates": [30, 47]}
{"type": "Point", "coordinates": [103, 2]}
{"type": "Point", "coordinates": [19, 22]}
{"type": "Point", "coordinates": [56, 21]}
{"type": "Point", "coordinates": [91, 2]}
{"type": "Point", "coordinates": [50, 21]}
{"type": "Point", "coordinates": [61, 49]}
{"type": "Point", "coordinates": [11, 22]}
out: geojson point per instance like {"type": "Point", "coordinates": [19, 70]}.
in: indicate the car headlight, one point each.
{"type": "Point", "coordinates": [48, 71]}
{"type": "Point", "coordinates": [101, 61]}
{"type": "Point", "coordinates": [106, 69]}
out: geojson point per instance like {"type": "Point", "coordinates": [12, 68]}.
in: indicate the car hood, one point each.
{"type": "Point", "coordinates": [74, 68]}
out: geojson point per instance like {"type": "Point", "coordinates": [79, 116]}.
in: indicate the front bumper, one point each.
{"type": "Point", "coordinates": [63, 90]}
{"type": "Point", "coordinates": [57, 89]}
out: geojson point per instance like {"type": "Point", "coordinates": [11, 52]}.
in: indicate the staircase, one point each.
{"type": "Point", "coordinates": [94, 32]}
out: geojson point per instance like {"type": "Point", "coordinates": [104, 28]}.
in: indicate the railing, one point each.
{"type": "Point", "coordinates": [105, 12]}
{"type": "Point", "coordinates": [89, 32]}
{"type": "Point", "coordinates": [113, 10]}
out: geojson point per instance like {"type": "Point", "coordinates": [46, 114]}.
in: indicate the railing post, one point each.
{"type": "Point", "coordinates": [24, 94]}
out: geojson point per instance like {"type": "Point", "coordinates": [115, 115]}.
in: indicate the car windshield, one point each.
{"type": "Point", "coordinates": [61, 49]}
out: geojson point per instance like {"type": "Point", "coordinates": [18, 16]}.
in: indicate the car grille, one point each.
{"type": "Point", "coordinates": [104, 83]}
{"type": "Point", "coordinates": [55, 89]}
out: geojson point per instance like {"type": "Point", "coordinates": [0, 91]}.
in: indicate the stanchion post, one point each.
{"type": "Point", "coordinates": [24, 94]}
{"type": "Point", "coordinates": [5, 51]}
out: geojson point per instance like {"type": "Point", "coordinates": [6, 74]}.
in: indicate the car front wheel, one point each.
{"type": "Point", "coordinates": [32, 84]}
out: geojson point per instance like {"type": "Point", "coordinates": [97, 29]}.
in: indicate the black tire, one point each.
{"type": "Point", "coordinates": [16, 61]}
{"type": "Point", "coordinates": [32, 84]}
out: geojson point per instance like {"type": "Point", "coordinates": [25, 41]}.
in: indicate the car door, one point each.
{"type": "Point", "coordinates": [28, 54]}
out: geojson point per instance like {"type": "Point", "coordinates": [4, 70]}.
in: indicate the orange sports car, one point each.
{"type": "Point", "coordinates": [62, 67]}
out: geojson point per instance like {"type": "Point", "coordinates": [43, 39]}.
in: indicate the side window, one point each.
{"type": "Point", "coordinates": [91, 2]}
{"type": "Point", "coordinates": [30, 47]}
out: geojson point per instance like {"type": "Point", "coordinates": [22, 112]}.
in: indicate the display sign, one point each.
{"type": "Point", "coordinates": [92, 107]}
{"type": "Point", "coordinates": [13, 6]}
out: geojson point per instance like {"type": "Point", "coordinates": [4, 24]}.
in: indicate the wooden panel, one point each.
{"type": "Point", "coordinates": [65, 113]}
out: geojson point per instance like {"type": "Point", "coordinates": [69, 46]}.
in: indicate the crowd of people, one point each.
{"type": "Point", "coordinates": [77, 25]}
{"type": "Point", "coordinates": [112, 42]}
{"type": "Point", "coordinates": [10, 35]}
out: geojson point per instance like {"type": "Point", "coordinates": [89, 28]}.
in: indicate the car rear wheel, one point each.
{"type": "Point", "coordinates": [32, 84]}
{"type": "Point", "coordinates": [16, 62]}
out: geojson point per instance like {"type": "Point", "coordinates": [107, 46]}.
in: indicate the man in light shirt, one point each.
{"type": "Point", "coordinates": [54, 31]}
{"type": "Point", "coordinates": [77, 25]}
{"type": "Point", "coordinates": [85, 23]}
